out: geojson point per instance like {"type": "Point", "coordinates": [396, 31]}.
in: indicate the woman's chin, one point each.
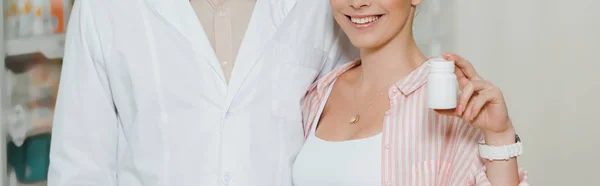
{"type": "Point", "coordinates": [364, 44]}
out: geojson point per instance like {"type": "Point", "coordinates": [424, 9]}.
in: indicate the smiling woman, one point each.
{"type": "Point", "coordinates": [394, 138]}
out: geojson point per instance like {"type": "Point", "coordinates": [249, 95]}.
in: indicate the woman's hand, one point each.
{"type": "Point", "coordinates": [481, 104]}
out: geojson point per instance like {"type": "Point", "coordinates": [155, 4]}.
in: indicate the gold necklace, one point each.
{"type": "Point", "coordinates": [356, 118]}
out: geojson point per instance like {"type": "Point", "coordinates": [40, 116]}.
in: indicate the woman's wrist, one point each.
{"type": "Point", "coordinates": [506, 137]}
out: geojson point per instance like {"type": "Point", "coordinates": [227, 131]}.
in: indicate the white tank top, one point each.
{"type": "Point", "coordinates": [345, 163]}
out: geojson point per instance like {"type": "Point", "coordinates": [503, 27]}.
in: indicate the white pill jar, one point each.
{"type": "Point", "coordinates": [441, 84]}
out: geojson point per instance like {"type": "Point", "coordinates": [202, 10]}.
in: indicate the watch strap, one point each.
{"type": "Point", "coordinates": [504, 152]}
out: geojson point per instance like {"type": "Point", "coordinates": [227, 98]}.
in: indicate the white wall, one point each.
{"type": "Point", "coordinates": [545, 55]}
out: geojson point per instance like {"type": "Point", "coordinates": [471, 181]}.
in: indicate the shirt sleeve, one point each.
{"type": "Point", "coordinates": [85, 129]}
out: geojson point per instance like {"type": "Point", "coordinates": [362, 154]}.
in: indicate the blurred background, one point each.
{"type": "Point", "coordinates": [542, 53]}
{"type": "Point", "coordinates": [32, 45]}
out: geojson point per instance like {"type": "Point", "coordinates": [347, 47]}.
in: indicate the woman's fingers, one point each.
{"type": "Point", "coordinates": [477, 103]}
{"type": "Point", "coordinates": [460, 76]}
{"type": "Point", "coordinates": [466, 115]}
{"type": "Point", "coordinates": [466, 67]}
{"type": "Point", "coordinates": [469, 90]}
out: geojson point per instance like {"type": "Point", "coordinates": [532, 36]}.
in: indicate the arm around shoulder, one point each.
{"type": "Point", "coordinates": [85, 132]}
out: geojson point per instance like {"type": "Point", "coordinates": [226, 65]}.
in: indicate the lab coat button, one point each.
{"type": "Point", "coordinates": [226, 179]}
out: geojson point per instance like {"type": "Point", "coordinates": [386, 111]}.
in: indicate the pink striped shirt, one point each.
{"type": "Point", "coordinates": [419, 146]}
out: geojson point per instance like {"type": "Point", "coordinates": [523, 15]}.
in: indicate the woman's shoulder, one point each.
{"type": "Point", "coordinates": [321, 84]}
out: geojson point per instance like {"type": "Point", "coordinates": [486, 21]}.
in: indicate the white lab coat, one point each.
{"type": "Point", "coordinates": [143, 100]}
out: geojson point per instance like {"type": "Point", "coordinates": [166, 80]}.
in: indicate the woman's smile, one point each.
{"type": "Point", "coordinates": [363, 21]}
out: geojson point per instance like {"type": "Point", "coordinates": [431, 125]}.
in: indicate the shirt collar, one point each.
{"type": "Point", "coordinates": [323, 83]}
{"type": "Point", "coordinates": [414, 80]}
{"type": "Point", "coordinates": [407, 85]}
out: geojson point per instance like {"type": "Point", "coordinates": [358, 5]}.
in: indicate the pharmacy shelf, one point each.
{"type": "Point", "coordinates": [51, 46]}
{"type": "Point", "coordinates": [12, 181]}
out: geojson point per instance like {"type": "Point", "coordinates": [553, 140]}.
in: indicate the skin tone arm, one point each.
{"type": "Point", "coordinates": [482, 105]}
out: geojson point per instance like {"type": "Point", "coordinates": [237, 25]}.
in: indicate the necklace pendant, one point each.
{"type": "Point", "coordinates": [354, 119]}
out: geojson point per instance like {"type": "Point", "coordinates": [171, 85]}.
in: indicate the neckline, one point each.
{"type": "Point", "coordinates": [318, 117]}
{"type": "Point", "coordinates": [370, 138]}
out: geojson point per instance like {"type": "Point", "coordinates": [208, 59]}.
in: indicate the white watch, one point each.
{"type": "Point", "coordinates": [505, 152]}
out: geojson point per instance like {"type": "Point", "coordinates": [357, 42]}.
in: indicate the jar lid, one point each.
{"type": "Point", "coordinates": [441, 64]}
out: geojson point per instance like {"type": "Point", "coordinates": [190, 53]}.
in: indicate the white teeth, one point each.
{"type": "Point", "coordinates": [363, 20]}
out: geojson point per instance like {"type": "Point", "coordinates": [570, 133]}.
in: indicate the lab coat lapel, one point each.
{"type": "Point", "coordinates": [180, 15]}
{"type": "Point", "coordinates": [266, 19]}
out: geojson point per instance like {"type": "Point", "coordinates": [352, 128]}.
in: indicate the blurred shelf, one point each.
{"type": "Point", "coordinates": [12, 181]}
{"type": "Point", "coordinates": [30, 184]}
{"type": "Point", "coordinates": [51, 46]}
